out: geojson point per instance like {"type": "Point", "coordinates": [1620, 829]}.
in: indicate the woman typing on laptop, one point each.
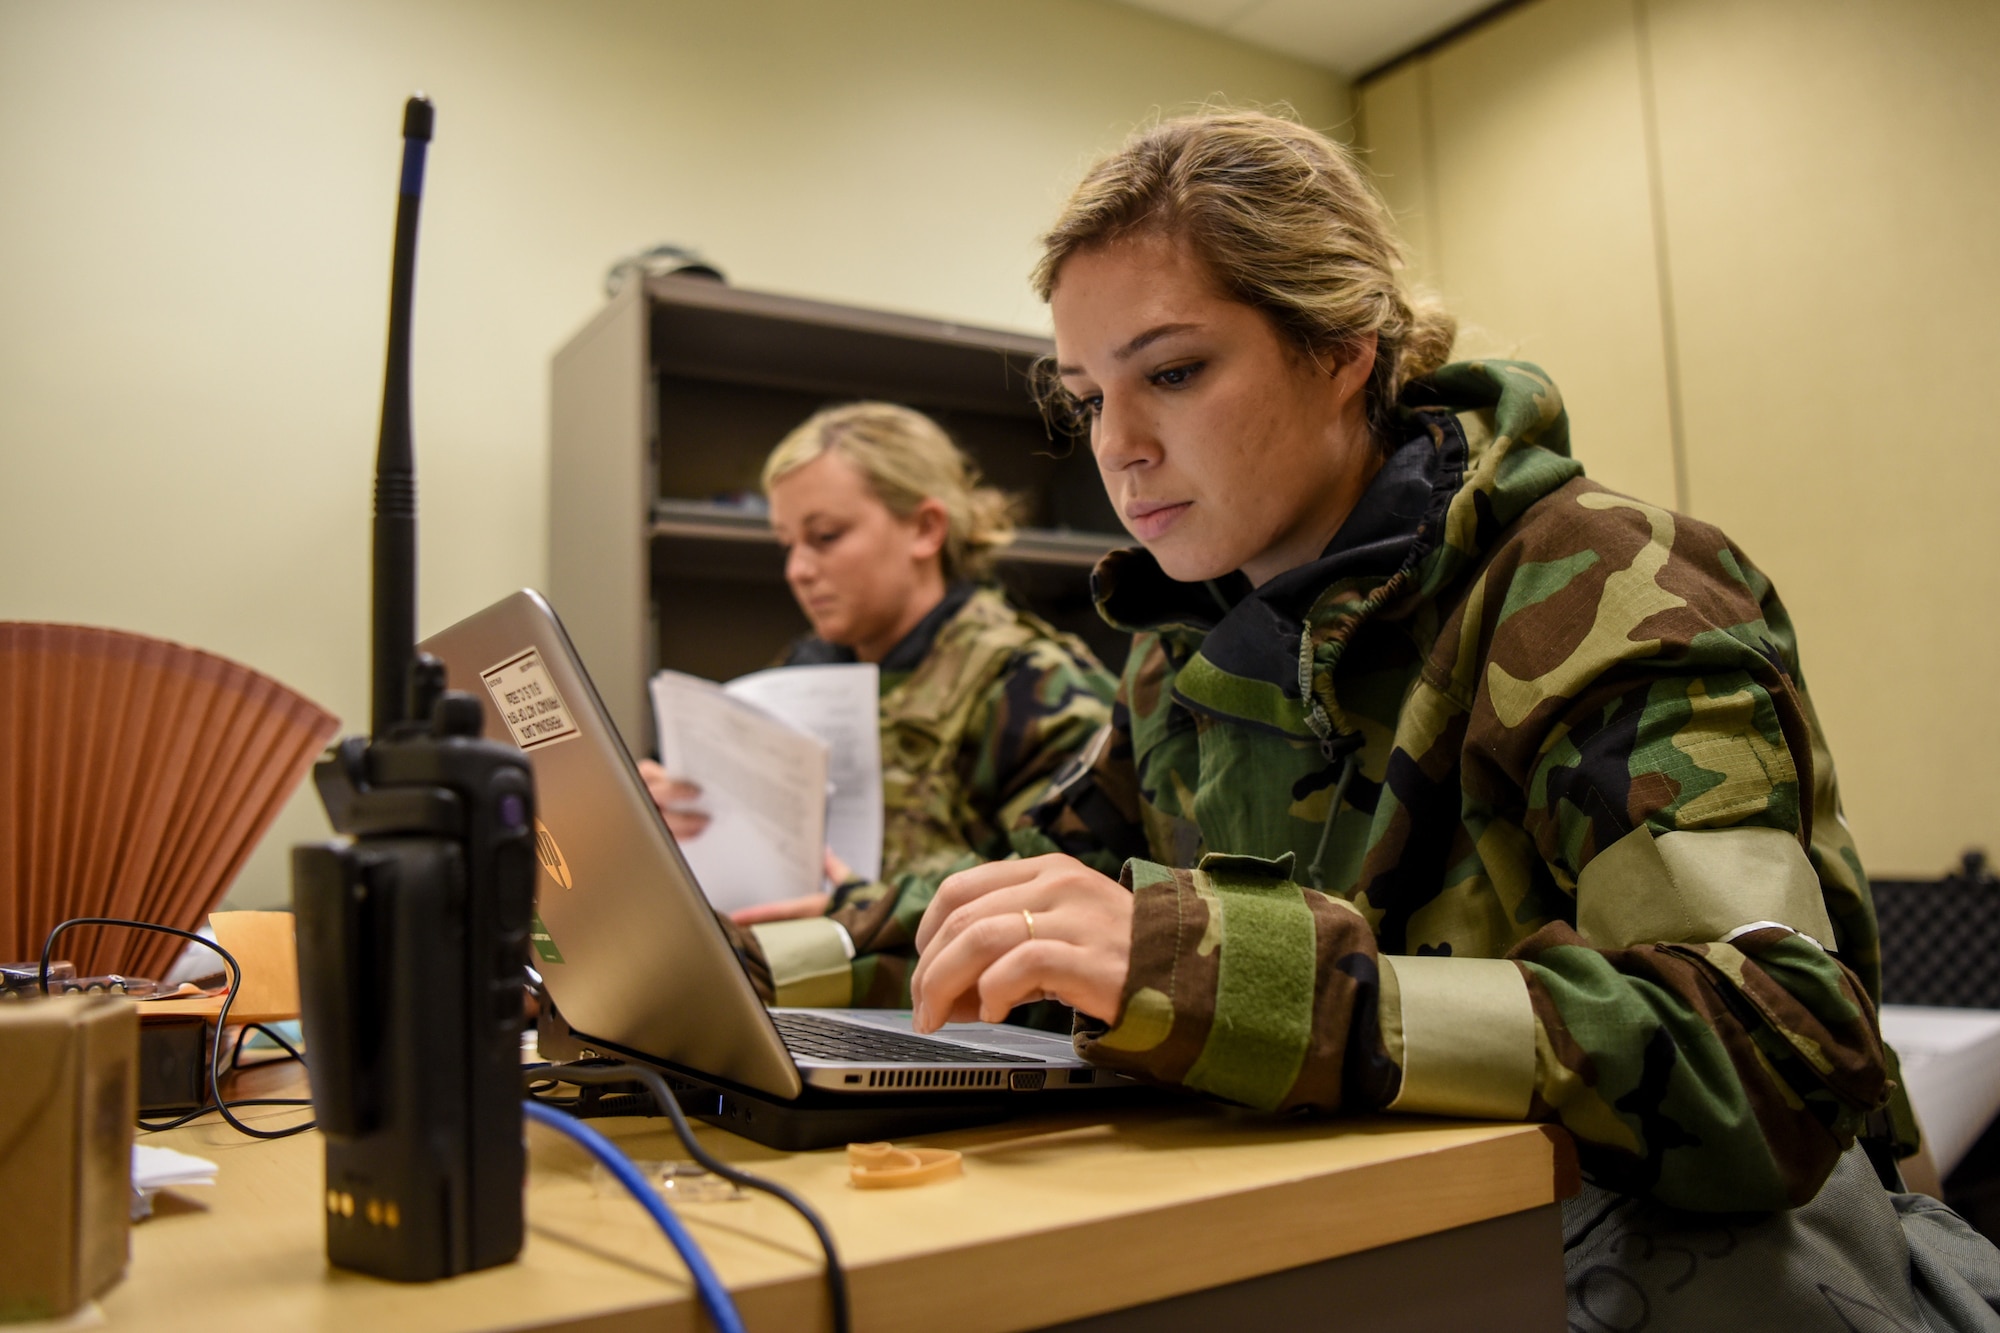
{"type": "Point", "coordinates": [888, 535]}
{"type": "Point", "coordinates": [1454, 783]}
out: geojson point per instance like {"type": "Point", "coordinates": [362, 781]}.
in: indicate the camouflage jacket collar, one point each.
{"type": "Point", "coordinates": [910, 650]}
{"type": "Point", "coordinates": [1488, 439]}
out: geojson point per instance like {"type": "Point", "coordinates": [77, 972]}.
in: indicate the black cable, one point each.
{"type": "Point", "coordinates": [836, 1276]}
{"type": "Point", "coordinates": [221, 1022]}
{"type": "Point", "coordinates": [235, 1062]}
{"type": "Point", "coordinates": [236, 1053]}
{"type": "Point", "coordinates": [156, 1126]}
{"type": "Point", "coordinates": [539, 1088]}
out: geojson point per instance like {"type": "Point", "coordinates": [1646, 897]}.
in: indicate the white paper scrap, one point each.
{"type": "Point", "coordinates": [156, 1169]}
{"type": "Point", "coordinates": [159, 1168]}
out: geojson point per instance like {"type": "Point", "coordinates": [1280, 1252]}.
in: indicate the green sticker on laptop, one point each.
{"type": "Point", "coordinates": [545, 945]}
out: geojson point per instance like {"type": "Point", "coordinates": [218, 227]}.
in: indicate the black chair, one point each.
{"type": "Point", "coordinates": [1941, 946]}
{"type": "Point", "coordinates": [1941, 937]}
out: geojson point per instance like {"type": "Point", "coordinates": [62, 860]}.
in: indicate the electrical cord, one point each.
{"type": "Point", "coordinates": [156, 1126]}
{"type": "Point", "coordinates": [836, 1276]}
{"type": "Point", "coordinates": [538, 1088]}
{"type": "Point", "coordinates": [714, 1295]}
{"type": "Point", "coordinates": [291, 1052]}
{"type": "Point", "coordinates": [215, 1046]}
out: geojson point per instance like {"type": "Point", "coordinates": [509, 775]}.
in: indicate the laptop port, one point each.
{"type": "Point", "coordinates": [1027, 1080]}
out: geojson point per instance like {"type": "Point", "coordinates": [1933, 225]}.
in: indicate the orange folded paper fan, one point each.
{"type": "Point", "coordinates": [136, 776]}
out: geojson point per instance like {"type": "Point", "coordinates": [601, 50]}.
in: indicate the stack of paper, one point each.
{"type": "Point", "coordinates": [789, 762]}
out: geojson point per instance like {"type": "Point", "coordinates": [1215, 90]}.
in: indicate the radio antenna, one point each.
{"type": "Point", "coordinates": [395, 569]}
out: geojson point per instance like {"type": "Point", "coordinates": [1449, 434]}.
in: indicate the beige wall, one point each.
{"type": "Point", "coordinates": [1805, 270]}
{"type": "Point", "coordinates": [1497, 178]}
{"type": "Point", "coordinates": [194, 258]}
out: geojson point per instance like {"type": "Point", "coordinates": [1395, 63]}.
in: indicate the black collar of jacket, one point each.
{"type": "Point", "coordinates": [1255, 632]}
{"type": "Point", "coordinates": [909, 651]}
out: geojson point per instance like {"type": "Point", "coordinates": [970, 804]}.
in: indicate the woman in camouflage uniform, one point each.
{"type": "Point", "coordinates": [1442, 779]}
{"type": "Point", "coordinates": [888, 535]}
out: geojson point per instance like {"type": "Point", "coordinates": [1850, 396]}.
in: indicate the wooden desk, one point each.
{"type": "Point", "coordinates": [1385, 1223]}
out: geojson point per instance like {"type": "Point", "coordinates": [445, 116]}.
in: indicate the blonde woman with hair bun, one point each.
{"type": "Point", "coordinates": [889, 541]}
{"type": "Point", "coordinates": [1451, 782]}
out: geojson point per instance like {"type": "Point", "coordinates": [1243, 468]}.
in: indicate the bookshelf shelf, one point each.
{"type": "Point", "coordinates": [697, 520]}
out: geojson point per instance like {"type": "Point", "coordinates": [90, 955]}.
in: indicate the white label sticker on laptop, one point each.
{"type": "Point", "coordinates": [534, 713]}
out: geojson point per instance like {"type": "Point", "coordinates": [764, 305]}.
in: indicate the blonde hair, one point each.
{"type": "Point", "coordinates": [1286, 222]}
{"type": "Point", "coordinates": [906, 458]}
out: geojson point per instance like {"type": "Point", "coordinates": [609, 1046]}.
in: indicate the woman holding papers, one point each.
{"type": "Point", "coordinates": [1453, 782]}
{"type": "Point", "coordinates": [888, 535]}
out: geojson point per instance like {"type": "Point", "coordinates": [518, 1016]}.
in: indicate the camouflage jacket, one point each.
{"type": "Point", "coordinates": [980, 708]}
{"type": "Point", "coordinates": [1512, 805]}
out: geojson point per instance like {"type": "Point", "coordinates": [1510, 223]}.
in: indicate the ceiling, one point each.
{"type": "Point", "coordinates": [1347, 36]}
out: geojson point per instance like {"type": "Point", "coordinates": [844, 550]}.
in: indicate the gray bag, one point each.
{"type": "Point", "coordinates": [1857, 1259]}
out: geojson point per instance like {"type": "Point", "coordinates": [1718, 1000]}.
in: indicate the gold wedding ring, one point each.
{"type": "Point", "coordinates": [1029, 917]}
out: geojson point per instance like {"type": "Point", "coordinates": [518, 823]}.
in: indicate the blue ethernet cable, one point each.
{"type": "Point", "coordinates": [714, 1295]}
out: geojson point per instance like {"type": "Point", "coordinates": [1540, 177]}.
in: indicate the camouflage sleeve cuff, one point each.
{"type": "Point", "coordinates": [810, 961]}
{"type": "Point", "coordinates": [1241, 984]}
{"type": "Point", "coordinates": [1463, 1030]}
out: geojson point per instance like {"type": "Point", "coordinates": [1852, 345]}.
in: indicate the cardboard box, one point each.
{"type": "Point", "coordinates": [68, 1098]}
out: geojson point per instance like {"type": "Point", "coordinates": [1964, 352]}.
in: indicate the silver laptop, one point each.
{"type": "Point", "coordinates": [627, 944]}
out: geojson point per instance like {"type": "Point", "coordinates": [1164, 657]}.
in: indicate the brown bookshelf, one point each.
{"type": "Point", "coordinates": [662, 410]}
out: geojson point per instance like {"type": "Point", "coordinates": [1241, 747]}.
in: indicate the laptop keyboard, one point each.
{"type": "Point", "coordinates": [830, 1039]}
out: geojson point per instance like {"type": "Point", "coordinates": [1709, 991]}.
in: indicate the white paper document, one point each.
{"type": "Point", "coordinates": [840, 704]}
{"type": "Point", "coordinates": [788, 762]}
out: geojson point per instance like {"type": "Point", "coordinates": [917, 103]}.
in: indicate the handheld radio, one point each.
{"type": "Point", "coordinates": [412, 929]}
